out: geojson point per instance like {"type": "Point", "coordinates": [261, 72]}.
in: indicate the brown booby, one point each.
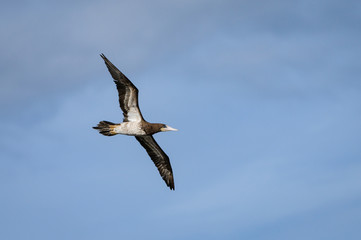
{"type": "Point", "coordinates": [134, 124]}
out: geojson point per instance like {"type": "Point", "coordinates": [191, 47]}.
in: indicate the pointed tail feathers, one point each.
{"type": "Point", "coordinates": [106, 128]}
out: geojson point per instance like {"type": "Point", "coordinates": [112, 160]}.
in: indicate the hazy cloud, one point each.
{"type": "Point", "coordinates": [265, 94]}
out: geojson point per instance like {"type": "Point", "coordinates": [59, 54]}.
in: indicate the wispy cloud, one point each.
{"type": "Point", "coordinates": [265, 94]}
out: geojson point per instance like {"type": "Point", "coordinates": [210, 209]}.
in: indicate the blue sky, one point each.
{"type": "Point", "coordinates": [266, 95]}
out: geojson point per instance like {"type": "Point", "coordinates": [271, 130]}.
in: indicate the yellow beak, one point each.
{"type": "Point", "coordinates": [167, 128]}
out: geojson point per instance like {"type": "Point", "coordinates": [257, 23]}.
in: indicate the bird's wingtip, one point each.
{"type": "Point", "coordinates": [171, 184]}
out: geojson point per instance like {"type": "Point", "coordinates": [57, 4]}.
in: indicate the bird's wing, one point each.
{"type": "Point", "coordinates": [160, 159]}
{"type": "Point", "coordinates": [128, 93]}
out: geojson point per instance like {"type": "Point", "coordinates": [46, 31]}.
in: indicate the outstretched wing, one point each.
{"type": "Point", "coordinates": [160, 159]}
{"type": "Point", "coordinates": [128, 93]}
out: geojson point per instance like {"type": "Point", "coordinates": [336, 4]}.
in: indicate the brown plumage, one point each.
{"type": "Point", "coordinates": [134, 124]}
{"type": "Point", "coordinates": [160, 159]}
{"type": "Point", "coordinates": [106, 128]}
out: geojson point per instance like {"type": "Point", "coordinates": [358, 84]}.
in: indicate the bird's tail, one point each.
{"type": "Point", "coordinates": [106, 128]}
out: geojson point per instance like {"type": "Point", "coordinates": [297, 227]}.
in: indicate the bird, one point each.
{"type": "Point", "coordinates": [134, 124]}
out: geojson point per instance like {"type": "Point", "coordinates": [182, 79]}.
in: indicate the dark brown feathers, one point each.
{"type": "Point", "coordinates": [127, 92]}
{"type": "Point", "coordinates": [106, 128]}
{"type": "Point", "coordinates": [160, 159]}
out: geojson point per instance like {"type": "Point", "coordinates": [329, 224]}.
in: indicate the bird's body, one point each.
{"type": "Point", "coordinates": [139, 128]}
{"type": "Point", "coordinates": [131, 129]}
{"type": "Point", "coordinates": [134, 124]}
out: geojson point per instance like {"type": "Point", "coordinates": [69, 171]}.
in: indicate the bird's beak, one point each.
{"type": "Point", "coordinates": [167, 128]}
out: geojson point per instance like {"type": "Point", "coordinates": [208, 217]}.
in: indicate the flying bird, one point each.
{"type": "Point", "coordinates": [134, 124]}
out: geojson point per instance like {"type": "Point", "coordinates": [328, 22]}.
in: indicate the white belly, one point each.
{"type": "Point", "coordinates": [130, 128]}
